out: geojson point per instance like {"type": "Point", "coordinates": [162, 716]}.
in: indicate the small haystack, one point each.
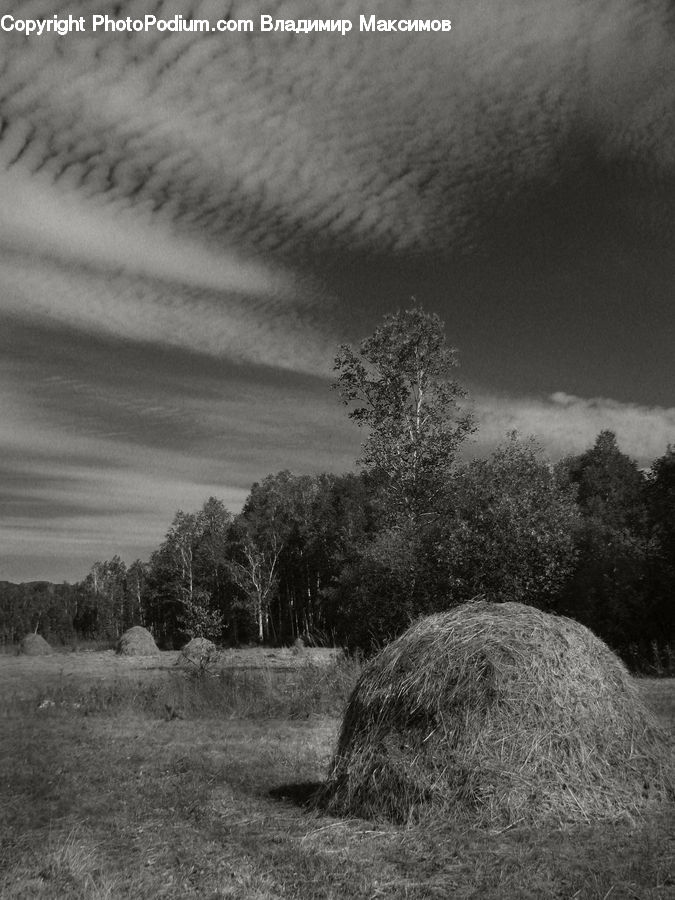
{"type": "Point", "coordinates": [498, 714]}
{"type": "Point", "coordinates": [137, 641]}
{"type": "Point", "coordinates": [199, 652]}
{"type": "Point", "coordinates": [34, 645]}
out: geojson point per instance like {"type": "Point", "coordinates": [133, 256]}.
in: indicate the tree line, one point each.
{"type": "Point", "coordinates": [352, 559]}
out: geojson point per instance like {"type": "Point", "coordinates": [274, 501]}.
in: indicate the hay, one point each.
{"type": "Point", "coordinates": [34, 645]}
{"type": "Point", "coordinates": [199, 652]}
{"type": "Point", "coordinates": [137, 641]}
{"type": "Point", "coordinates": [497, 714]}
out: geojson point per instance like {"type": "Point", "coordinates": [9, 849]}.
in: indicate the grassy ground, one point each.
{"type": "Point", "coordinates": [181, 787]}
{"type": "Point", "coordinates": [63, 670]}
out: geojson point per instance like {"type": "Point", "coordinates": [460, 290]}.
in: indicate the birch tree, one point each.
{"type": "Point", "coordinates": [400, 385]}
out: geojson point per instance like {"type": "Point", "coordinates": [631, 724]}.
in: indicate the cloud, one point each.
{"type": "Point", "coordinates": [268, 330]}
{"type": "Point", "coordinates": [566, 424]}
{"type": "Point", "coordinates": [282, 143]}
{"type": "Point", "coordinates": [38, 218]}
{"type": "Point", "coordinates": [92, 467]}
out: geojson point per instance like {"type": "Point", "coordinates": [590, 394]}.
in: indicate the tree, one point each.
{"type": "Point", "coordinates": [213, 523]}
{"type": "Point", "coordinates": [400, 385]}
{"type": "Point", "coordinates": [400, 379]}
{"type": "Point", "coordinates": [256, 573]}
{"type": "Point", "coordinates": [263, 529]}
{"type": "Point", "coordinates": [607, 591]}
{"type": "Point", "coordinates": [511, 527]}
{"type": "Point", "coordinates": [137, 575]}
{"type": "Point", "coordinates": [180, 601]}
{"type": "Point", "coordinates": [660, 496]}
{"type": "Point", "coordinates": [610, 485]}
{"type": "Point", "coordinates": [103, 613]}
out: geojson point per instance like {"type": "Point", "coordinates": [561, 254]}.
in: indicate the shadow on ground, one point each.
{"type": "Point", "coordinates": [301, 793]}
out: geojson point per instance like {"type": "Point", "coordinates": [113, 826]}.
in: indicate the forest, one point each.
{"type": "Point", "coordinates": [351, 559]}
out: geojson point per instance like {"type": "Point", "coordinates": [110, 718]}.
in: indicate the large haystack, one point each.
{"type": "Point", "coordinates": [34, 645]}
{"type": "Point", "coordinates": [199, 652]}
{"type": "Point", "coordinates": [497, 714]}
{"type": "Point", "coordinates": [137, 641]}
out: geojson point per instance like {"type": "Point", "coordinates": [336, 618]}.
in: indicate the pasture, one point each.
{"type": "Point", "coordinates": [141, 778]}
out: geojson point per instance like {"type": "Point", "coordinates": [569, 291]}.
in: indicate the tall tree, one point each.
{"type": "Point", "coordinates": [610, 485]}
{"type": "Point", "coordinates": [213, 523]}
{"type": "Point", "coordinates": [510, 529]}
{"type": "Point", "coordinates": [137, 575]}
{"type": "Point", "coordinates": [103, 614]}
{"type": "Point", "coordinates": [608, 589]}
{"type": "Point", "coordinates": [263, 528]}
{"type": "Point", "coordinates": [179, 599]}
{"type": "Point", "coordinates": [400, 384]}
{"type": "Point", "coordinates": [256, 572]}
{"type": "Point", "coordinates": [661, 513]}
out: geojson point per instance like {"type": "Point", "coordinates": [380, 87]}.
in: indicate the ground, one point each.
{"type": "Point", "coordinates": [124, 778]}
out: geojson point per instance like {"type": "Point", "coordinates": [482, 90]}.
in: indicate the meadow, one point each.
{"type": "Point", "coordinates": [141, 778]}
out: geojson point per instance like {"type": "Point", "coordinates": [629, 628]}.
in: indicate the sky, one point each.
{"type": "Point", "coordinates": [192, 223]}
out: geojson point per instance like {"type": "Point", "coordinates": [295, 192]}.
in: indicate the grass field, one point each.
{"type": "Point", "coordinates": [124, 778]}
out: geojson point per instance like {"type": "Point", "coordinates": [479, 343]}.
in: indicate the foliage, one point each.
{"type": "Point", "coordinates": [49, 609]}
{"type": "Point", "coordinates": [186, 575]}
{"type": "Point", "coordinates": [105, 612]}
{"type": "Point", "coordinates": [660, 494]}
{"type": "Point", "coordinates": [506, 532]}
{"type": "Point", "coordinates": [376, 593]}
{"type": "Point", "coordinates": [288, 545]}
{"type": "Point", "coordinates": [510, 528]}
{"type": "Point", "coordinates": [400, 380]}
{"type": "Point", "coordinates": [607, 590]}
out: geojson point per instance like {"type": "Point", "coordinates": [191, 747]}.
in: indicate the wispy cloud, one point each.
{"type": "Point", "coordinates": [268, 330]}
{"type": "Point", "coordinates": [101, 468]}
{"type": "Point", "coordinates": [38, 218]}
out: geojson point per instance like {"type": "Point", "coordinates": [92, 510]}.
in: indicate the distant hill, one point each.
{"type": "Point", "coordinates": [32, 587]}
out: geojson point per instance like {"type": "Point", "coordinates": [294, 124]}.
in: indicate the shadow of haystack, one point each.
{"type": "Point", "coordinates": [497, 714]}
{"type": "Point", "coordinates": [302, 793]}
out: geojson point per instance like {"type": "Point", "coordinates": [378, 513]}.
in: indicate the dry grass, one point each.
{"type": "Point", "coordinates": [65, 675]}
{"type": "Point", "coordinates": [199, 652]}
{"type": "Point", "coordinates": [498, 714]}
{"type": "Point", "coordinates": [117, 800]}
{"type": "Point", "coordinates": [137, 641]}
{"type": "Point", "coordinates": [34, 645]}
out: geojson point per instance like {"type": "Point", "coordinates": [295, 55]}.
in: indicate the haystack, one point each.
{"type": "Point", "coordinates": [34, 645]}
{"type": "Point", "coordinates": [199, 651]}
{"type": "Point", "coordinates": [497, 714]}
{"type": "Point", "coordinates": [137, 641]}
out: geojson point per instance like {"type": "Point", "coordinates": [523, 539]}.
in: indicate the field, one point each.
{"type": "Point", "coordinates": [134, 778]}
